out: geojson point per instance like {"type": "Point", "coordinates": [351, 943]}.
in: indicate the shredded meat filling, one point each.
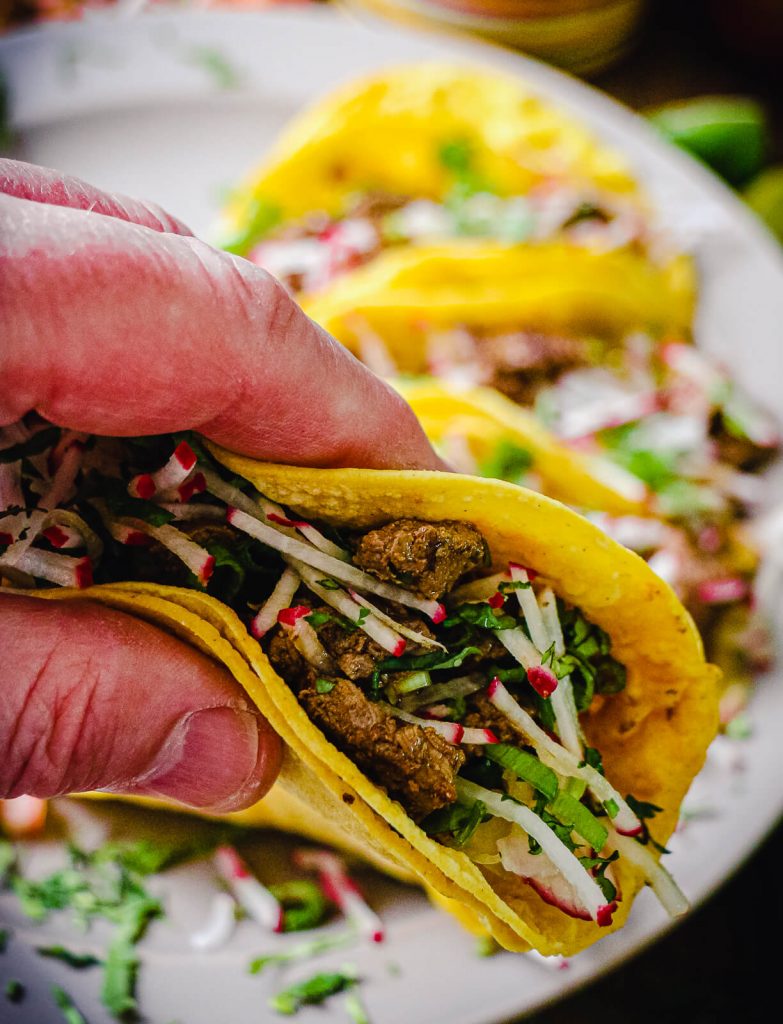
{"type": "Point", "coordinates": [428, 558]}
{"type": "Point", "coordinates": [417, 766]}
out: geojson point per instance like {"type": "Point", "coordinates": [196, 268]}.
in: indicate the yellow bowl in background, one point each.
{"type": "Point", "coordinates": [582, 36]}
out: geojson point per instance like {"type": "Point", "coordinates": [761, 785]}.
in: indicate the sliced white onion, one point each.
{"type": "Point", "coordinates": [577, 876]}
{"type": "Point", "coordinates": [294, 548]}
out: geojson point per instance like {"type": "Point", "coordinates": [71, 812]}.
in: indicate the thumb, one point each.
{"type": "Point", "coordinates": [94, 699]}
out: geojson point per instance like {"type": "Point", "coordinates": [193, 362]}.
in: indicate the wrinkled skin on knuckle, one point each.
{"type": "Point", "coordinates": [90, 695]}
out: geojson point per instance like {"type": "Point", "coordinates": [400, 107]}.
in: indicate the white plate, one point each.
{"type": "Point", "coordinates": [174, 108]}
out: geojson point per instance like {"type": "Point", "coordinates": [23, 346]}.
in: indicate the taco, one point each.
{"type": "Point", "coordinates": [432, 154]}
{"type": "Point", "coordinates": [473, 683]}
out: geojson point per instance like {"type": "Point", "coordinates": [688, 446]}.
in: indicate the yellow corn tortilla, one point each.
{"type": "Point", "coordinates": [653, 736]}
{"type": "Point", "coordinates": [484, 417]}
{"type": "Point", "coordinates": [386, 132]}
{"type": "Point", "coordinates": [552, 287]}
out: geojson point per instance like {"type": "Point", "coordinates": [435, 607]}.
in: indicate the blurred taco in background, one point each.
{"type": "Point", "coordinates": [431, 154]}
{"type": "Point", "coordinates": [458, 667]}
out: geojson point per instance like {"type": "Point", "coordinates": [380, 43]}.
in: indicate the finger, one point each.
{"type": "Point", "coordinates": [93, 699]}
{"type": "Point", "coordinates": [112, 328]}
{"type": "Point", "coordinates": [43, 185]}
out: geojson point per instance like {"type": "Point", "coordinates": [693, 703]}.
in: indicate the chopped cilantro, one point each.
{"type": "Point", "coordinates": [458, 819]}
{"type": "Point", "coordinates": [508, 587]}
{"type": "Point", "coordinates": [328, 583]}
{"type": "Point", "coordinates": [311, 992]}
{"type": "Point", "coordinates": [507, 461]}
{"type": "Point", "coordinates": [317, 619]}
{"type": "Point", "coordinates": [594, 760]}
{"type": "Point", "coordinates": [482, 615]}
{"type": "Point", "coordinates": [120, 503]}
{"type": "Point", "coordinates": [303, 902]}
{"type": "Point", "coordinates": [68, 956]}
{"type": "Point", "coordinates": [611, 807]}
{"type": "Point", "coordinates": [259, 217]}
{"type": "Point", "coordinates": [106, 883]}
{"type": "Point", "coordinates": [229, 572]}
{"type": "Point", "coordinates": [302, 951]}
{"type": "Point", "coordinates": [14, 990]}
{"type": "Point", "coordinates": [456, 155]}
{"type": "Point", "coordinates": [588, 659]}
{"type": "Point", "coordinates": [597, 866]}
{"type": "Point", "coordinates": [67, 1006]}
{"type": "Point", "coordinates": [324, 685]}
{"type": "Point", "coordinates": [421, 662]}
{"type": "Point", "coordinates": [643, 811]}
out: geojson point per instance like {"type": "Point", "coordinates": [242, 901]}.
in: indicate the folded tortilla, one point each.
{"type": "Point", "coordinates": [386, 133]}
{"type": "Point", "coordinates": [653, 735]}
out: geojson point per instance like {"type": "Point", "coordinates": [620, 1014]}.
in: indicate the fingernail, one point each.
{"type": "Point", "coordinates": [216, 759]}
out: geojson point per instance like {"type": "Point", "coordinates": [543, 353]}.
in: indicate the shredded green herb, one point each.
{"type": "Point", "coordinates": [302, 951]}
{"type": "Point", "coordinates": [68, 956]}
{"type": "Point", "coordinates": [644, 811]}
{"type": "Point", "coordinates": [311, 992]}
{"type": "Point", "coordinates": [14, 990]}
{"type": "Point", "coordinates": [67, 1006]}
{"type": "Point", "coordinates": [304, 904]}
{"type": "Point", "coordinates": [459, 820]}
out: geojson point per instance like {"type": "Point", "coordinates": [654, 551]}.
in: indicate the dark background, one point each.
{"type": "Point", "coordinates": [725, 962]}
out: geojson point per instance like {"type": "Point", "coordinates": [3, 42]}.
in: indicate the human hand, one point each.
{"type": "Point", "coordinates": [117, 321]}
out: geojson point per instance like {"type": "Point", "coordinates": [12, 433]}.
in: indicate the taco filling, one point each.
{"type": "Point", "coordinates": [460, 691]}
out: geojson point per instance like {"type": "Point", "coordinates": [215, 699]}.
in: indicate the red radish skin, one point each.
{"type": "Point", "coordinates": [543, 680]}
{"type": "Point", "coordinates": [496, 601]}
{"type": "Point", "coordinates": [604, 916]}
{"type": "Point", "coordinates": [57, 538]}
{"type": "Point", "coordinates": [83, 573]}
{"type": "Point", "coordinates": [206, 571]}
{"type": "Point", "coordinates": [294, 524]}
{"type": "Point", "coordinates": [196, 485]}
{"type": "Point", "coordinates": [439, 614]}
{"type": "Point", "coordinates": [185, 456]}
{"type": "Point", "coordinates": [142, 486]}
{"type": "Point", "coordinates": [399, 650]}
{"type": "Point", "coordinates": [631, 832]}
{"type": "Point", "coordinates": [492, 688]}
{"type": "Point", "coordinates": [290, 616]}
